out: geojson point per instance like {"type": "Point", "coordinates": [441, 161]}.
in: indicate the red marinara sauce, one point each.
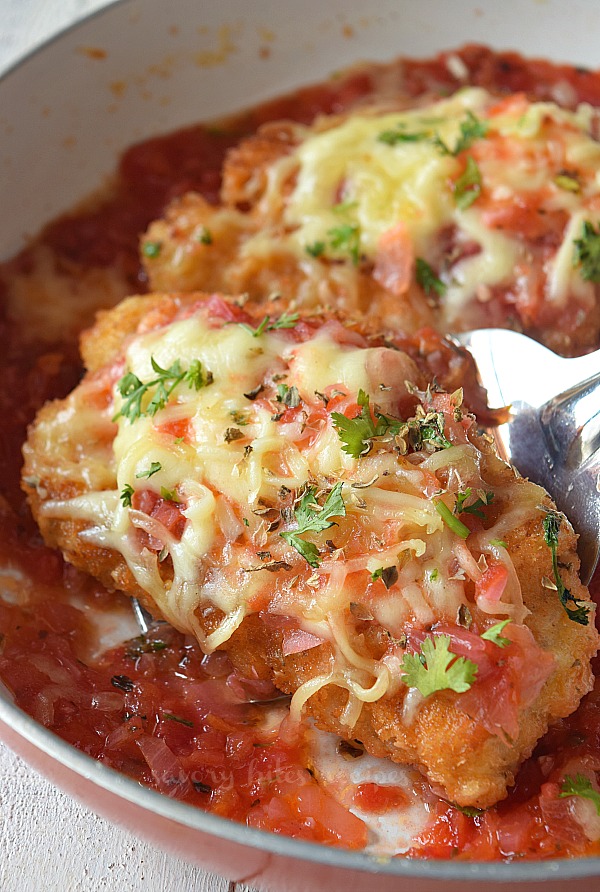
{"type": "Point", "coordinates": [156, 708]}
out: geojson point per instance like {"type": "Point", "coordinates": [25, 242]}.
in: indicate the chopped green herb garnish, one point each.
{"type": "Point", "coordinates": [142, 645]}
{"type": "Point", "coordinates": [238, 417]}
{"type": "Point", "coordinates": [126, 495]}
{"type": "Point", "coordinates": [246, 522]}
{"type": "Point", "coordinates": [425, 431]}
{"type": "Point", "coordinates": [134, 391]}
{"type": "Point", "coordinates": [471, 130]}
{"type": "Point", "coordinates": [315, 249]}
{"type": "Point", "coordinates": [427, 279]}
{"type": "Point", "coordinates": [393, 137]}
{"type": "Point", "coordinates": [154, 468]}
{"type": "Point", "coordinates": [494, 634]}
{"type": "Point", "coordinates": [286, 320]}
{"type": "Point", "coordinates": [498, 543]}
{"type": "Point", "coordinates": [451, 521]}
{"type": "Point", "coordinates": [342, 207]}
{"type": "Point", "coordinates": [289, 396]}
{"type": "Point", "coordinates": [467, 187]}
{"type": "Point", "coordinates": [580, 786]}
{"type": "Point", "coordinates": [484, 498]}
{"type": "Point", "coordinates": [587, 252]}
{"type": "Point", "coordinates": [388, 575]}
{"type": "Point", "coordinates": [314, 518]}
{"type": "Point", "coordinates": [577, 610]}
{"type": "Point", "coordinates": [233, 433]}
{"type": "Point", "coordinates": [151, 249]}
{"type": "Point", "coordinates": [346, 238]}
{"type": "Point", "coordinates": [567, 182]}
{"type": "Point", "coordinates": [205, 236]}
{"type": "Point", "coordinates": [168, 494]}
{"type": "Point", "coordinates": [356, 433]}
{"type": "Point", "coordinates": [122, 682]}
{"type": "Point", "coordinates": [197, 376]}
{"type": "Point", "coordinates": [436, 668]}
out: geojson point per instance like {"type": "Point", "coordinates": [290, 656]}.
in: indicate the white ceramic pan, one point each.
{"type": "Point", "coordinates": [62, 126]}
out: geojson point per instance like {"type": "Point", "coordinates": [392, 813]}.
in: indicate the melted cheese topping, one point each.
{"type": "Point", "coordinates": [348, 178]}
{"type": "Point", "coordinates": [243, 454]}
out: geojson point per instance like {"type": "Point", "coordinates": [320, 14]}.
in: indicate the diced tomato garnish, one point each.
{"type": "Point", "coordinates": [379, 798]}
{"type": "Point", "coordinates": [395, 260]}
{"type": "Point", "coordinates": [167, 512]}
{"type": "Point", "coordinates": [492, 582]}
{"type": "Point", "coordinates": [178, 427]}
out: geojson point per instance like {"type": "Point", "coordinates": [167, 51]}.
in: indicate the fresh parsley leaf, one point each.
{"type": "Point", "coordinates": [461, 498]}
{"type": "Point", "coordinates": [436, 668]}
{"type": "Point", "coordinates": [471, 129]}
{"type": "Point", "coordinates": [451, 521]}
{"type": "Point", "coordinates": [314, 518]}
{"type": "Point", "coordinates": [346, 238]}
{"type": "Point", "coordinates": [467, 187]}
{"type": "Point", "coordinates": [286, 320]}
{"type": "Point", "coordinates": [577, 610]}
{"type": "Point", "coordinates": [587, 252]}
{"type": "Point", "coordinates": [197, 376]}
{"type": "Point", "coordinates": [551, 525]}
{"type": "Point", "coordinates": [475, 507]}
{"type": "Point", "coordinates": [356, 433]}
{"type": "Point", "coordinates": [315, 249]}
{"type": "Point", "coordinates": [580, 786]}
{"type": "Point", "coordinates": [154, 468]}
{"type": "Point", "coordinates": [126, 495]}
{"type": "Point", "coordinates": [427, 279]}
{"type": "Point", "coordinates": [134, 391]}
{"type": "Point", "coordinates": [494, 634]}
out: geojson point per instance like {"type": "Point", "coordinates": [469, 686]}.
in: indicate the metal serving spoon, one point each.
{"type": "Point", "coordinates": [552, 435]}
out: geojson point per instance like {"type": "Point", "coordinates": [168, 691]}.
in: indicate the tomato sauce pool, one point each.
{"type": "Point", "coordinates": [155, 707]}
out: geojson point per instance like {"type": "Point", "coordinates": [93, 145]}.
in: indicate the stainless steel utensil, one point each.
{"type": "Point", "coordinates": [553, 432]}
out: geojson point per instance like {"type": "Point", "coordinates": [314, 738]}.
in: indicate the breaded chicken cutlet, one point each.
{"type": "Point", "coordinates": [454, 213]}
{"type": "Point", "coordinates": [274, 486]}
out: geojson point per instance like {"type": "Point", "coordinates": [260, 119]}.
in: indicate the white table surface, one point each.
{"type": "Point", "coordinates": [47, 841]}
